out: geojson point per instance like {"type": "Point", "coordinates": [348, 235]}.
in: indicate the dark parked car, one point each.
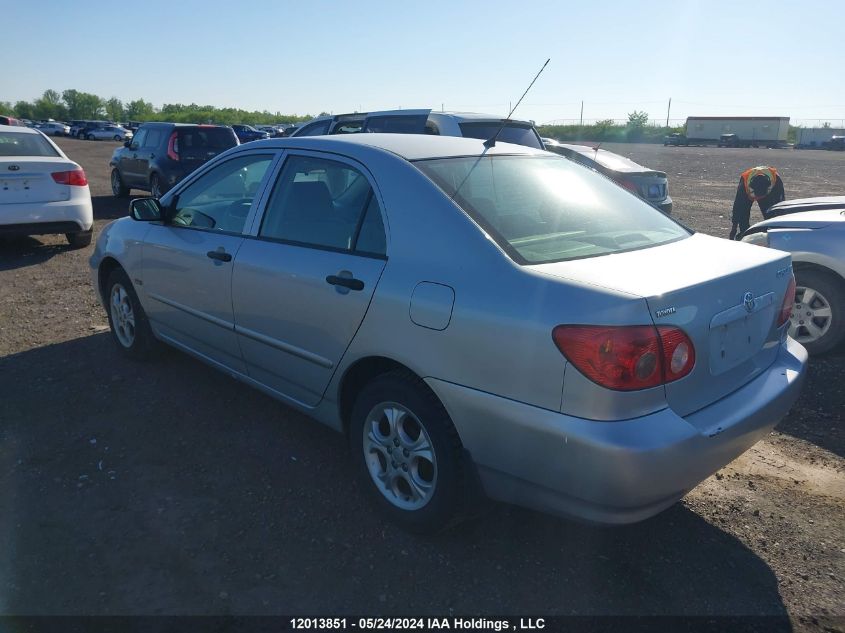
{"type": "Point", "coordinates": [675, 139]}
{"type": "Point", "coordinates": [81, 129]}
{"type": "Point", "coordinates": [162, 154]}
{"type": "Point", "coordinates": [247, 133]}
{"type": "Point", "coordinates": [652, 186]}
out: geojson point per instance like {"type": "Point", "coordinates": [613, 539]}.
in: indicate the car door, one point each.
{"type": "Point", "coordinates": [187, 261]}
{"type": "Point", "coordinates": [302, 285]}
{"type": "Point", "coordinates": [127, 162]}
{"type": "Point", "coordinates": [146, 154]}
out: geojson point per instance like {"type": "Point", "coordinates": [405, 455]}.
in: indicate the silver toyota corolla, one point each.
{"type": "Point", "coordinates": [503, 316]}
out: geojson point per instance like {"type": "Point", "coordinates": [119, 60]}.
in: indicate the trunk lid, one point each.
{"type": "Point", "coordinates": [28, 179]}
{"type": "Point", "coordinates": [725, 295]}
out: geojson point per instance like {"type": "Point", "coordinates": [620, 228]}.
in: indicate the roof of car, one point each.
{"type": "Point", "coordinates": [408, 146]}
{"type": "Point", "coordinates": [804, 219]}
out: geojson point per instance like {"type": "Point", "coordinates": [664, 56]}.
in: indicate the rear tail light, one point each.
{"type": "Point", "coordinates": [173, 146]}
{"type": "Point", "coordinates": [788, 302]}
{"type": "Point", "coordinates": [627, 358]}
{"type": "Point", "coordinates": [74, 177]}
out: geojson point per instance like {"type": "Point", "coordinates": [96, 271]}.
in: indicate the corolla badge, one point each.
{"type": "Point", "coordinates": [748, 302]}
{"type": "Point", "coordinates": [14, 167]}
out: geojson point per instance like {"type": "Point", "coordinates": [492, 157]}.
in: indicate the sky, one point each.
{"type": "Point", "coordinates": [715, 58]}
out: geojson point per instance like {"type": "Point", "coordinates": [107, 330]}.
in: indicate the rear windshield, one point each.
{"type": "Point", "coordinates": [198, 142]}
{"type": "Point", "coordinates": [549, 209]}
{"type": "Point", "coordinates": [511, 133]}
{"type": "Point", "coordinates": [22, 144]}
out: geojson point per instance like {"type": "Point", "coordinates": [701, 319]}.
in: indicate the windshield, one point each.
{"type": "Point", "coordinates": [547, 209]}
{"type": "Point", "coordinates": [511, 133]}
{"type": "Point", "coordinates": [22, 144]}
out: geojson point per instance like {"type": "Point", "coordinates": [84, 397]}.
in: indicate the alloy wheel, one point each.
{"type": "Point", "coordinates": [399, 455]}
{"type": "Point", "coordinates": [122, 315]}
{"type": "Point", "coordinates": [811, 315]}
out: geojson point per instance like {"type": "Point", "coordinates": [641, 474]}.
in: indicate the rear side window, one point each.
{"type": "Point", "coordinates": [22, 144]}
{"type": "Point", "coordinates": [411, 124]}
{"type": "Point", "coordinates": [324, 203]}
{"type": "Point", "coordinates": [547, 209]}
{"type": "Point", "coordinates": [511, 133]}
{"type": "Point", "coordinates": [200, 142]}
{"type": "Point", "coordinates": [315, 129]}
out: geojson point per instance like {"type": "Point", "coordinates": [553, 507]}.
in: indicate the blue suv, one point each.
{"type": "Point", "coordinates": [162, 154]}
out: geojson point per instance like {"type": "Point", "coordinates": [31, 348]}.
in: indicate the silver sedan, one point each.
{"type": "Point", "coordinates": [814, 233]}
{"type": "Point", "coordinates": [502, 318]}
{"type": "Point", "coordinates": [109, 132]}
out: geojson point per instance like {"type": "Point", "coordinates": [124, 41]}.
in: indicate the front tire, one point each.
{"type": "Point", "coordinates": [90, 137]}
{"type": "Point", "coordinates": [817, 320]}
{"type": "Point", "coordinates": [117, 137]}
{"type": "Point", "coordinates": [127, 319]}
{"type": "Point", "coordinates": [79, 240]}
{"type": "Point", "coordinates": [118, 189]}
{"type": "Point", "coordinates": [407, 452]}
{"type": "Point", "coordinates": [155, 186]}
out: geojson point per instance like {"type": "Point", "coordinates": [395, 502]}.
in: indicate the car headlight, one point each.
{"type": "Point", "coordinates": [759, 238]}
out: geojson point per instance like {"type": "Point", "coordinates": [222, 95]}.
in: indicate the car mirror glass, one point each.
{"type": "Point", "coordinates": [145, 210]}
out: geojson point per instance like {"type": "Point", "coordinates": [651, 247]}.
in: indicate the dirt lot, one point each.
{"type": "Point", "coordinates": [167, 488]}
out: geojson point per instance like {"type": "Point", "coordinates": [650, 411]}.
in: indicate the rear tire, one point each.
{"type": "Point", "coordinates": [817, 320]}
{"type": "Point", "coordinates": [79, 240]}
{"type": "Point", "coordinates": [118, 189]}
{"type": "Point", "coordinates": [407, 453]}
{"type": "Point", "coordinates": [128, 321]}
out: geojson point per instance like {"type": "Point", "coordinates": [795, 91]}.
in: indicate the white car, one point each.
{"type": "Point", "coordinates": [113, 132]}
{"type": "Point", "coordinates": [54, 128]}
{"type": "Point", "coordinates": [42, 191]}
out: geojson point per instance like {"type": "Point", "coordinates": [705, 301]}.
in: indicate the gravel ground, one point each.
{"type": "Point", "coordinates": [168, 488]}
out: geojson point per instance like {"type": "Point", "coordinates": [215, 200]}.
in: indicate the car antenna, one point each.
{"type": "Point", "coordinates": [597, 147]}
{"type": "Point", "coordinates": [491, 142]}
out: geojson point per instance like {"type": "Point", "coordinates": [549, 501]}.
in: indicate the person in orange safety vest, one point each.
{"type": "Point", "coordinates": [762, 185]}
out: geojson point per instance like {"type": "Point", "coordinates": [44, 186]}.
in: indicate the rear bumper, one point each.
{"type": "Point", "coordinates": [615, 472]}
{"type": "Point", "coordinates": [64, 216]}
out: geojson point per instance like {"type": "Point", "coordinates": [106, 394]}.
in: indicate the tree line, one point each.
{"type": "Point", "coordinates": [74, 104]}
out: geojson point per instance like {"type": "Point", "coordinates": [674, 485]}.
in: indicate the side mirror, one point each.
{"type": "Point", "coordinates": [127, 143]}
{"type": "Point", "coordinates": [145, 210]}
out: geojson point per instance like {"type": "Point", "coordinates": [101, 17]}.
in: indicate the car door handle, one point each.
{"type": "Point", "coordinates": [346, 282]}
{"type": "Point", "coordinates": [152, 156]}
{"type": "Point", "coordinates": [221, 256]}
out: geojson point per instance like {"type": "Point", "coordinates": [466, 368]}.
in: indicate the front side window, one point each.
{"type": "Point", "coordinates": [324, 203]}
{"type": "Point", "coordinates": [153, 139]}
{"type": "Point", "coordinates": [547, 209]}
{"type": "Point", "coordinates": [221, 198]}
{"type": "Point", "coordinates": [139, 139]}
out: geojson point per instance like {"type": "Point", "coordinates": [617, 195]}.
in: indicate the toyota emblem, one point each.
{"type": "Point", "coordinates": [748, 302]}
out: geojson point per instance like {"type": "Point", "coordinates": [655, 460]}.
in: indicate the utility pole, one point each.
{"type": "Point", "coordinates": [669, 109]}
{"type": "Point", "coordinates": [581, 124]}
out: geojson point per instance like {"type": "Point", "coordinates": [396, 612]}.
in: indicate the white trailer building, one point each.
{"type": "Point", "coordinates": [754, 130]}
{"type": "Point", "coordinates": [817, 136]}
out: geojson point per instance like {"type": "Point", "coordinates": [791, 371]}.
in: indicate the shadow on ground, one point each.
{"type": "Point", "coordinates": [23, 251]}
{"type": "Point", "coordinates": [167, 488]}
{"type": "Point", "coordinates": [817, 416]}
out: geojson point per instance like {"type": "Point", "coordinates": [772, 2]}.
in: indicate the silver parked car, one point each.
{"type": "Point", "coordinates": [465, 314]}
{"type": "Point", "coordinates": [814, 233]}
{"type": "Point", "coordinates": [109, 132]}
